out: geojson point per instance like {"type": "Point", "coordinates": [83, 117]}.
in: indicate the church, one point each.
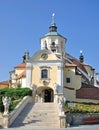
{"type": "Point", "coordinates": [52, 73]}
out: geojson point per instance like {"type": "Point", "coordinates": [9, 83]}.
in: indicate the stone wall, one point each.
{"type": "Point", "coordinates": [79, 119]}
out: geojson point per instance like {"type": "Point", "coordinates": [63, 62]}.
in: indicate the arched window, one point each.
{"type": "Point", "coordinates": [53, 43]}
{"type": "Point", "coordinates": [53, 47]}
{"type": "Point", "coordinates": [44, 73]}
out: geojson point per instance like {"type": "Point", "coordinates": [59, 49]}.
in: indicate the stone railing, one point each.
{"type": "Point", "coordinates": [7, 120]}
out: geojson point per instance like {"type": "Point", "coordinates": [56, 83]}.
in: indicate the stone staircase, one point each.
{"type": "Point", "coordinates": [39, 115]}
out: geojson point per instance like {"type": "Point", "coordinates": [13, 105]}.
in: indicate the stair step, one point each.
{"type": "Point", "coordinates": [41, 115]}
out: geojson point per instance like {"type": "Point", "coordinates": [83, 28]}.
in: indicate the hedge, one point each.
{"type": "Point", "coordinates": [16, 94]}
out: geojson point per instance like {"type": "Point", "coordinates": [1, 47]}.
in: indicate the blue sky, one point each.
{"type": "Point", "coordinates": [24, 22]}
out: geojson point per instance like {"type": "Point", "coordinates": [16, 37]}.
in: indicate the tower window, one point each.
{"type": "Point", "coordinates": [68, 80]}
{"type": "Point", "coordinates": [53, 44]}
{"type": "Point", "coordinates": [53, 47]}
{"type": "Point", "coordinates": [44, 73]}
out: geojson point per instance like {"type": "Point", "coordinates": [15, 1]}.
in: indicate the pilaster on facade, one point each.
{"type": "Point", "coordinates": [28, 74]}
{"type": "Point", "coordinates": [60, 77]}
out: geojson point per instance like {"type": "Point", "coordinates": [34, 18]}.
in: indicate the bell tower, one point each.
{"type": "Point", "coordinates": [53, 41]}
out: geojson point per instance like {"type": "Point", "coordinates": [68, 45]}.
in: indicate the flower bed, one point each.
{"type": "Point", "coordinates": [82, 108]}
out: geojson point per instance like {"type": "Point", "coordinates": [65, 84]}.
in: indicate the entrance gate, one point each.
{"type": "Point", "coordinates": [45, 93]}
{"type": "Point", "coordinates": [48, 95]}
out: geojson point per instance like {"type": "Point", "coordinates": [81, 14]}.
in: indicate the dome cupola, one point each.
{"type": "Point", "coordinates": [54, 41]}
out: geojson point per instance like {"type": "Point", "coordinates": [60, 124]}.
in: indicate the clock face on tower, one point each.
{"type": "Point", "coordinates": [44, 56]}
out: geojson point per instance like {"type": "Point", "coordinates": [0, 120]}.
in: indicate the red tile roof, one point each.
{"type": "Point", "coordinates": [22, 65]}
{"type": "Point", "coordinates": [80, 65]}
{"type": "Point", "coordinates": [84, 64]}
{"type": "Point", "coordinates": [4, 82]}
{"type": "Point", "coordinates": [88, 92]}
{"type": "Point", "coordinates": [69, 65]}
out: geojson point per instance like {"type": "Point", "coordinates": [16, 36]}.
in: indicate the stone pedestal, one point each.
{"type": "Point", "coordinates": [63, 123]}
{"type": "Point", "coordinates": [5, 121]}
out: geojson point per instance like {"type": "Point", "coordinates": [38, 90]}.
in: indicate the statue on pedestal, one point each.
{"type": "Point", "coordinates": [61, 105]}
{"type": "Point", "coordinates": [33, 87]}
{"type": "Point", "coordinates": [6, 102]}
{"type": "Point", "coordinates": [56, 88]}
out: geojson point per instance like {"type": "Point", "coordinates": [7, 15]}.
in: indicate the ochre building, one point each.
{"type": "Point", "coordinates": [53, 73]}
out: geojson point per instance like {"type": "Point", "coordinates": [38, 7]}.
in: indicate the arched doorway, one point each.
{"type": "Point", "coordinates": [45, 94]}
{"type": "Point", "coordinates": [48, 95]}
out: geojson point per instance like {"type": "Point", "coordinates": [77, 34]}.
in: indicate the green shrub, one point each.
{"type": "Point", "coordinates": [15, 94]}
{"type": "Point", "coordinates": [13, 105]}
